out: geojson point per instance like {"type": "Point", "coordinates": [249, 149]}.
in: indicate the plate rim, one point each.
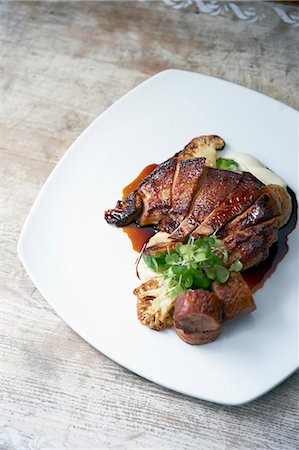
{"type": "Point", "coordinates": [48, 181]}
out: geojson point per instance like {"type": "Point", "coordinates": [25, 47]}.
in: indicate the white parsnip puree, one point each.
{"type": "Point", "coordinates": [144, 272]}
{"type": "Point", "coordinates": [250, 164]}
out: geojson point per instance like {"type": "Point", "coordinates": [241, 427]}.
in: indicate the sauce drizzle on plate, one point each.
{"type": "Point", "coordinates": [257, 275]}
{"type": "Point", "coordinates": [138, 236]}
{"type": "Point", "coordinates": [133, 185]}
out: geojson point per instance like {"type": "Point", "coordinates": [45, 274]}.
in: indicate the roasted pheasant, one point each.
{"type": "Point", "coordinates": [185, 198]}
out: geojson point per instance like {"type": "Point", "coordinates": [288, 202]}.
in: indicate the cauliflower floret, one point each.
{"type": "Point", "coordinates": [154, 307]}
{"type": "Point", "coordinates": [203, 147]}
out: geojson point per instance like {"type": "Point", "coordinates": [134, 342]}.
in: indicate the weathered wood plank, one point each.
{"type": "Point", "coordinates": [66, 75]}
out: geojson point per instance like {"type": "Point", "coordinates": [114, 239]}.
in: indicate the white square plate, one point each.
{"type": "Point", "coordinates": [85, 268]}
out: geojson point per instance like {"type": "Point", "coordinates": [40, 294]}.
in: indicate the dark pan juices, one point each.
{"type": "Point", "coordinates": [255, 276]}
{"type": "Point", "coordinates": [134, 184]}
{"type": "Point", "coordinates": [138, 236]}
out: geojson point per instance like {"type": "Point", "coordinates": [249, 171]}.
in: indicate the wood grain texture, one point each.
{"type": "Point", "coordinates": [62, 65]}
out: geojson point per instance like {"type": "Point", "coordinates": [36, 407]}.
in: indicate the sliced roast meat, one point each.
{"type": "Point", "coordinates": [155, 191]}
{"type": "Point", "coordinates": [183, 196]}
{"type": "Point", "coordinates": [265, 207]}
{"type": "Point", "coordinates": [251, 245]}
{"type": "Point", "coordinates": [217, 185]}
{"type": "Point", "coordinates": [235, 296]}
{"type": "Point", "coordinates": [152, 200]}
{"type": "Point", "coordinates": [234, 203]}
{"type": "Point", "coordinates": [185, 184]}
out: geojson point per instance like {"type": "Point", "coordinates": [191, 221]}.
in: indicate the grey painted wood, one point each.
{"type": "Point", "coordinates": [62, 65]}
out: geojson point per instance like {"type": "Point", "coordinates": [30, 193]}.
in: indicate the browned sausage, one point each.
{"type": "Point", "coordinates": [198, 311]}
{"type": "Point", "coordinates": [201, 337]}
{"type": "Point", "coordinates": [235, 295]}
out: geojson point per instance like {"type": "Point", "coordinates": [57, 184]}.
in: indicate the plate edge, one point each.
{"type": "Point", "coordinates": [22, 235]}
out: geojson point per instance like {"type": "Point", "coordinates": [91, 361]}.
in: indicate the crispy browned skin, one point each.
{"type": "Point", "coordinates": [266, 206]}
{"type": "Point", "coordinates": [216, 186]}
{"type": "Point", "coordinates": [185, 184]}
{"type": "Point", "coordinates": [183, 197]}
{"type": "Point", "coordinates": [198, 310]}
{"type": "Point", "coordinates": [125, 211]}
{"type": "Point", "coordinates": [251, 245]}
{"type": "Point", "coordinates": [234, 203]}
{"type": "Point", "coordinates": [152, 200]}
{"type": "Point", "coordinates": [197, 338]}
{"type": "Point", "coordinates": [155, 191]}
{"type": "Point", "coordinates": [235, 296]}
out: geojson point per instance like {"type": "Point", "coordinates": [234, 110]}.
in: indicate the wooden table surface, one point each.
{"type": "Point", "coordinates": [63, 63]}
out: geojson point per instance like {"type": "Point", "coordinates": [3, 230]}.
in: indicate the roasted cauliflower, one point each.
{"type": "Point", "coordinates": [203, 147]}
{"type": "Point", "coordinates": [154, 306]}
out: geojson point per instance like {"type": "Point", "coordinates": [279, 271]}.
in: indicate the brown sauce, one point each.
{"type": "Point", "coordinates": [138, 236]}
{"type": "Point", "coordinates": [133, 185]}
{"type": "Point", "coordinates": [255, 276]}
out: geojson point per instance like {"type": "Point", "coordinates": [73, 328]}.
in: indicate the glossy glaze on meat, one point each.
{"type": "Point", "coordinates": [235, 201]}
{"type": "Point", "coordinates": [185, 184]}
{"type": "Point", "coordinates": [183, 196]}
{"type": "Point", "coordinates": [158, 194]}
{"type": "Point", "coordinates": [266, 206]}
{"type": "Point", "coordinates": [251, 245]}
{"type": "Point", "coordinates": [212, 190]}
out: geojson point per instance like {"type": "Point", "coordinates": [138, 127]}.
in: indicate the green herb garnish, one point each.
{"type": "Point", "coordinates": [236, 266]}
{"type": "Point", "coordinates": [226, 164]}
{"type": "Point", "coordinates": [193, 265]}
